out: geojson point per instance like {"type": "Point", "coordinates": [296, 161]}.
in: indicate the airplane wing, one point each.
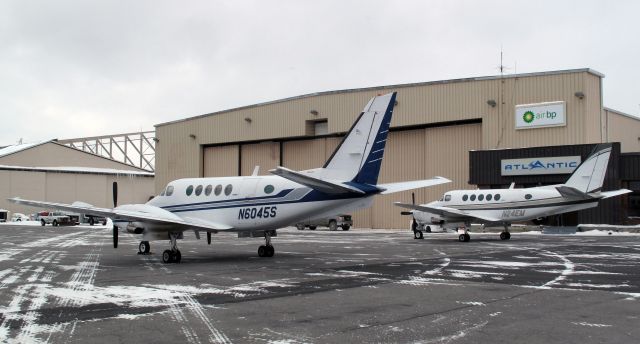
{"type": "Point", "coordinates": [403, 186]}
{"type": "Point", "coordinates": [448, 212]}
{"type": "Point", "coordinates": [131, 212]}
{"type": "Point", "coordinates": [314, 183]}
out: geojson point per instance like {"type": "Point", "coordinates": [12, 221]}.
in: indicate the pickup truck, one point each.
{"type": "Point", "coordinates": [55, 218]}
{"type": "Point", "coordinates": [343, 221]}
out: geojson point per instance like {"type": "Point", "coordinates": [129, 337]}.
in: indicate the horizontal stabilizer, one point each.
{"type": "Point", "coordinates": [416, 184]}
{"type": "Point", "coordinates": [321, 185]}
{"type": "Point", "coordinates": [445, 211]}
{"type": "Point", "coordinates": [607, 194]}
{"type": "Point", "coordinates": [572, 193]}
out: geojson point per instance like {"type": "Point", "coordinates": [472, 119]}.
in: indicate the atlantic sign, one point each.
{"type": "Point", "coordinates": [554, 165]}
{"type": "Point", "coordinates": [540, 115]}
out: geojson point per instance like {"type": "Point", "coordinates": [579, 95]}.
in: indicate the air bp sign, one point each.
{"type": "Point", "coordinates": [540, 115]}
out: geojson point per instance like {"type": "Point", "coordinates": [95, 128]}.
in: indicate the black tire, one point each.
{"type": "Point", "coordinates": [345, 227]}
{"type": "Point", "coordinates": [92, 221]}
{"type": "Point", "coordinates": [54, 223]}
{"type": "Point", "coordinates": [177, 256]}
{"type": "Point", "coordinates": [428, 229]}
{"type": "Point", "coordinates": [262, 251]}
{"type": "Point", "coordinates": [270, 251]}
{"type": "Point", "coordinates": [144, 247]}
{"type": "Point", "coordinates": [313, 228]}
{"type": "Point", "coordinates": [300, 226]}
{"type": "Point", "coordinates": [104, 222]}
{"type": "Point", "coordinates": [42, 223]}
{"type": "Point", "coordinates": [167, 257]}
{"type": "Point", "coordinates": [503, 236]}
{"type": "Point", "coordinates": [467, 237]}
{"type": "Point", "coordinates": [333, 225]}
{"type": "Point", "coordinates": [418, 235]}
{"type": "Point", "coordinates": [18, 220]}
{"type": "Point", "coordinates": [462, 238]}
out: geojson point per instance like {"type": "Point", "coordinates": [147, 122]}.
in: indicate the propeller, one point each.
{"type": "Point", "coordinates": [115, 194]}
{"type": "Point", "coordinates": [115, 204]}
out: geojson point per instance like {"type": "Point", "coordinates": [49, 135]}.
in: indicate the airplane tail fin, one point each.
{"type": "Point", "coordinates": [589, 176]}
{"type": "Point", "coordinates": [359, 156]}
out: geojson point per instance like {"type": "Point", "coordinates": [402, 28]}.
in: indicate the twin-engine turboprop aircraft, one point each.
{"type": "Point", "coordinates": [458, 208]}
{"type": "Point", "coordinates": [256, 206]}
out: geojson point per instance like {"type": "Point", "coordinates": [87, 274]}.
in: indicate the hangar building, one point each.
{"type": "Point", "coordinates": [54, 172]}
{"type": "Point", "coordinates": [435, 127]}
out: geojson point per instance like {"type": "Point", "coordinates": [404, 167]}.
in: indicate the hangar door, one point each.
{"type": "Point", "coordinates": [220, 161]}
{"type": "Point", "coordinates": [264, 154]}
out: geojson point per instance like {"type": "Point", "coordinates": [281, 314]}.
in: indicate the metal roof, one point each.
{"type": "Point", "coordinates": [493, 77]}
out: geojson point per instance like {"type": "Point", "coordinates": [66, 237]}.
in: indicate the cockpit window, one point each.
{"type": "Point", "coordinates": [169, 190]}
{"type": "Point", "coordinates": [447, 198]}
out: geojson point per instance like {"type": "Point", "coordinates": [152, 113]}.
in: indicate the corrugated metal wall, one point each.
{"type": "Point", "coordinates": [624, 129]}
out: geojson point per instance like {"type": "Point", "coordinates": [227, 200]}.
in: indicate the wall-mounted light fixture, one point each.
{"type": "Point", "coordinates": [248, 119]}
{"type": "Point", "coordinates": [492, 103]}
{"type": "Point", "coordinates": [579, 94]}
{"type": "Point", "coordinates": [314, 112]}
{"type": "Point", "coordinates": [395, 103]}
{"type": "Point", "coordinates": [193, 136]}
{"type": "Point", "coordinates": [155, 139]}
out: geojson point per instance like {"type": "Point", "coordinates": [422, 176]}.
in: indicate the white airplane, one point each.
{"type": "Point", "coordinates": [458, 208]}
{"type": "Point", "coordinates": [255, 206]}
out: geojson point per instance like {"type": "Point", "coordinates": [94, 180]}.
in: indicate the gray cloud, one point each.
{"type": "Point", "coordinates": [76, 68]}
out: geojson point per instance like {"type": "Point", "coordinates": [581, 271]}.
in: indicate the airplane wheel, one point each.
{"type": "Point", "coordinates": [428, 229]}
{"type": "Point", "coordinates": [262, 251]}
{"type": "Point", "coordinates": [167, 257]}
{"type": "Point", "coordinates": [508, 235]}
{"type": "Point", "coordinates": [177, 256]}
{"type": "Point", "coordinates": [417, 235]}
{"type": "Point", "coordinates": [503, 236]}
{"type": "Point", "coordinates": [270, 251]}
{"type": "Point", "coordinates": [144, 247]}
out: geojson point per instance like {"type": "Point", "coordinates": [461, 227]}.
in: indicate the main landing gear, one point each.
{"type": "Point", "coordinates": [173, 255]}
{"type": "Point", "coordinates": [464, 237]}
{"type": "Point", "coordinates": [266, 250]}
{"type": "Point", "coordinates": [505, 235]}
{"type": "Point", "coordinates": [144, 247]}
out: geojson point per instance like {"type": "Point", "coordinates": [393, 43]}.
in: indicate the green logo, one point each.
{"type": "Point", "coordinates": [528, 117]}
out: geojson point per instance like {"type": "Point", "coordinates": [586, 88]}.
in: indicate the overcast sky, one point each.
{"type": "Point", "coordinates": [83, 68]}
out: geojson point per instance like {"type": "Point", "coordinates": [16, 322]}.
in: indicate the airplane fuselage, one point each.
{"type": "Point", "coordinates": [508, 205]}
{"type": "Point", "coordinates": [252, 203]}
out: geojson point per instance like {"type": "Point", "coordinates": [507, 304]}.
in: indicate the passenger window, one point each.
{"type": "Point", "coordinates": [189, 190]}
{"type": "Point", "coordinates": [218, 190]}
{"type": "Point", "coordinates": [480, 197]}
{"type": "Point", "coordinates": [268, 189]}
{"type": "Point", "coordinates": [497, 198]}
{"type": "Point", "coordinates": [489, 197]}
{"type": "Point", "coordinates": [198, 190]}
{"type": "Point", "coordinates": [472, 198]}
{"type": "Point", "coordinates": [169, 190]}
{"type": "Point", "coordinates": [207, 190]}
{"type": "Point", "coordinates": [527, 196]}
{"type": "Point", "coordinates": [465, 197]}
{"type": "Point", "coordinates": [447, 198]}
{"type": "Point", "coordinates": [228, 189]}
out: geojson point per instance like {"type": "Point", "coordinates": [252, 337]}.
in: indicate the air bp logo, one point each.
{"type": "Point", "coordinates": [528, 116]}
